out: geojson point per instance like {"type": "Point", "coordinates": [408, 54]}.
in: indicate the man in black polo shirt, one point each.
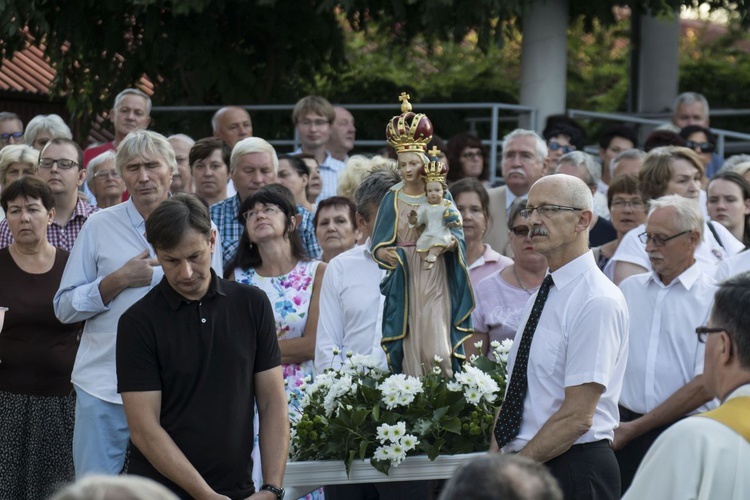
{"type": "Point", "coordinates": [193, 356]}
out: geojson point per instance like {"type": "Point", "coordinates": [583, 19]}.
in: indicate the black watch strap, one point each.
{"type": "Point", "coordinates": [279, 492]}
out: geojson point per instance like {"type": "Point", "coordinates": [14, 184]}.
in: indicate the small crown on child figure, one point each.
{"type": "Point", "coordinates": [435, 170]}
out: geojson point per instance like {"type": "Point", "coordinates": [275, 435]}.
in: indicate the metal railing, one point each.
{"type": "Point", "coordinates": [494, 108]}
{"type": "Point", "coordinates": [721, 134]}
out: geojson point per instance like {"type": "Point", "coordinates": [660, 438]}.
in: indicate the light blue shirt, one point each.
{"type": "Point", "coordinates": [108, 240]}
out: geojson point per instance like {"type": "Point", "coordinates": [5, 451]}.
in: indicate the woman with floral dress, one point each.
{"type": "Point", "coordinates": [271, 257]}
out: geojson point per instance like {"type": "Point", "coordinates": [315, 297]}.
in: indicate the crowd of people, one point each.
{"type": "Point", "coordinates": [132, 344]}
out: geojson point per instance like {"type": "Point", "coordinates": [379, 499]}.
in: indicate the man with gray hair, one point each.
{"type": "Point", "coordinates": [705, 456]}
{"type": "Point", "coordinates": [11, 129]}
{"type": "Point", "coordinates": [691, 108]}
{"type": "Point", "coordinates": [524, 157]}
{"type": "Point", "coordinates": [567, 361]}
{"type": "Point", "coordinates": [663, 379]}
{"type": "Point", "coordinates": [253, 164]}
{"type": "Point", "coordinates": [131, 112]}
{"type": "Point", "coordinates": [111, 266]}
{"type": "Point", "coordinates": [586, 168]}
{"type": "Point", "coordinates": [501, 477]}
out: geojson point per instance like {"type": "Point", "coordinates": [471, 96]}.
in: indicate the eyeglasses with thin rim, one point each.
{"type": "Point", "coordinates": [634, 204]}
{"type": "Point", "coordinates": [104, 174]}
{"type": "Point", "coordinates": [704, 331]}
{"type": "Point", "coordinates": [521, 231]}
{"type": "Point", "coordinates": [62, 163]}
{"type": "Point", "coordinates": [657, 240]}
{"type": "Point", "coordinates": [546, 211]}
{"type": "Point", "coordinates": [268, 211]}
{"type": "Point", "coordinates": [316, 123]}
{"type": "Point", "coordinates": [15, 135]}
{"type": "Point", "coordinates": [705, 147]}
{"type": "Point", "coordinates": [554, 146]}
{"type": "Point", "coordinates": [471, 155]}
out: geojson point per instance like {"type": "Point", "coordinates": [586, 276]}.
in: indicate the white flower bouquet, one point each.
{"type": "Point", "coordinates": [361, 411]}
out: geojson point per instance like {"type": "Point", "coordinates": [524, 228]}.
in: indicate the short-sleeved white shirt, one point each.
{"type": "Point", "coordinates": [664, 353]}
{"type": "Point", "coordinates": [709, 253]}
{"type": "Point", "coordinates": [582, 337]}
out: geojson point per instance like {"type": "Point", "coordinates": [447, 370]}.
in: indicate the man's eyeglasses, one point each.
{"type": "Point", "coordinates": [103, 174]}
{"type": "Point", "coordinates": [705, 147]}
{"type": "Point", "coordinates": [521, 231]}
{"type": "Point", "coordinates": [15, 135]}
{"type": "Point", "coordinates": [470, 155]}
{"type": "Point", "coordinates": [634, 204]}
{"type": "Point", "coordinates": [62, 163]}
{"type": "Point", "coordinates": [267, 211]}
{"type": "Point", "coordinates": [546, 211]}
{"type": "Point", "coordinates": [554, 146]}
{"type": "Point", "coordinates": [704, 331]}
{"type": "Point", "coordinates": [657, 240]}
{"type": "Point", "coordinates": [317, 123]}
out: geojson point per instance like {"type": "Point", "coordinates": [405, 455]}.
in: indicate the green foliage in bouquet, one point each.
{"type": "Point", "coordinates": [361, 411]}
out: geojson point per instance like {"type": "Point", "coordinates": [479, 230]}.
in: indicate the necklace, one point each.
{"type": "Point", "coordinates": [515, 274]}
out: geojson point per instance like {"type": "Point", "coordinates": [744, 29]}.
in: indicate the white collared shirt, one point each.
{"type": "Point", "coordinates": [709, 253]}
{"type": "Point", "coordinates": [664, 353]}
{"type": "Point", "coordinates": [349, 318]}
{"type": "Point", "coordinates": [108, 240]}
{"type": "Point", "coordinates": [697, 458]}
{"type": "Point", "coordinates": [734, 265]}
{"type": "Point", "coordinates": [582, 337]}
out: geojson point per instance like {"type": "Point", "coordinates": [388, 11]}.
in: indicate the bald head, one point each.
{"type": "Point", "coordinates": [231, 124]}
{"type": "Point", "coordinates": [566, 190]}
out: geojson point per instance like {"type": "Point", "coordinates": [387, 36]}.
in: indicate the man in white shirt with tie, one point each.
{"type": "Point", "coordinates": [568, 359]}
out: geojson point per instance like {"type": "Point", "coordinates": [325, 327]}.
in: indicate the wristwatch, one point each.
{"type": "Point", "coordinates": [279, 492]}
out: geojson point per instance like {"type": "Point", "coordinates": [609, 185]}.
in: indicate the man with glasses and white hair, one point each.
{"type": "Point", "coordinates": [663, 378]}
{"type": "Point", "coordinates": [705, 456]}
{"type": "Point", "coordinates": [253, 164]}
{"type": "Point", "coordinates": [111, 266]}
{"type": "Point", "coordinates": [568, 358]}
{"type": "Point", "coordinates": [60, 167]}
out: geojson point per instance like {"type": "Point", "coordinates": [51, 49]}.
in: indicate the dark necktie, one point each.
{"type": "Point", "coordinates": [509, 421]}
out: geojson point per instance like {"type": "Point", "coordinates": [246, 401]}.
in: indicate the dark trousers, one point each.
{"type": "Point", "coordinates": [401, 490]}
{"type": "Point", "coordinates": [630, 457]}
{"type": "Point", "coordinates": [587, 472]}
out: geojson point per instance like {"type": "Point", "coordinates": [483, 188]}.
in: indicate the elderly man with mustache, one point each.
{"type": "Point", "coordinates": [524, 157]}
{"type": "Point", "coordinates": [571, 352]}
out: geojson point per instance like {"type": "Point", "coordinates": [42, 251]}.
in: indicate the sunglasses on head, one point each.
{"type": "Point", "coordinates": [705, 147]}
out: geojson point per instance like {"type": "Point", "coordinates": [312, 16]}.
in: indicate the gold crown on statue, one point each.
{"type": "Point", "coordinates": [435, 170]}
{"type": "Point", "coordinates": [409, 131]}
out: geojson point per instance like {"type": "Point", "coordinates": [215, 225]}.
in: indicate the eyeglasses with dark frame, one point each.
{"type": "Point", "coordinates": [470, 155]}
{"type": "Point", "coordinates": [657, 240]}
{"type": "Point", "coordinates": [546, 211]}
{"type": "Point", "coordinates": [704, 331]}
{"type": "Point", "coordinates": [521, 231]}
{"type": "Point", "coordinates": [62, 164]}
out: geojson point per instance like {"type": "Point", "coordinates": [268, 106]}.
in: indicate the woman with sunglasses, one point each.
{"type": "Point", "coordinates": [501, 297]}
{"type": "Point", "coordinates": [673, 170]}
{"type": "Point", "coordinates": [270, 256]}
{"type": "Point", "coordinates": [700, 140]}
{"type": "Point", "coordinates": [628, 210]}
